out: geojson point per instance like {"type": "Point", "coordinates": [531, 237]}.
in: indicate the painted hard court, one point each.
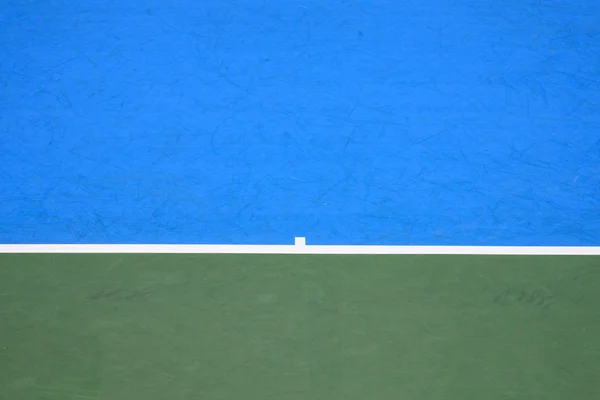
{"type": "Point", "coordinates": [130, 326]}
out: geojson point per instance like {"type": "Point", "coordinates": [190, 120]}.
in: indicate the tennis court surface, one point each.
{"type": "Point", "coordinates": [356, 123]}
{"type": "Point", "coordinates": [239, 326]}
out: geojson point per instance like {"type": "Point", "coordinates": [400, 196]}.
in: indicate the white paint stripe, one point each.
{"type": "Point", "coordinates": [293, 249]}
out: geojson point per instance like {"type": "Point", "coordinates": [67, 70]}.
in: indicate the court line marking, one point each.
{"type": "Point", "coordinates": [300, 247]}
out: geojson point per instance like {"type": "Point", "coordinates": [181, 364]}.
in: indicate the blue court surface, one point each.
{"type": "Point", "coordinates": [346, 122]}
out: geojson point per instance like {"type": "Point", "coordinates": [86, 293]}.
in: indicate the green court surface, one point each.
{"type": "Point", "coordinates": [318, 327]}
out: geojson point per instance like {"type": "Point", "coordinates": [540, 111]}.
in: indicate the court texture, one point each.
{"type": "Point", "coordinates": [320, 200]}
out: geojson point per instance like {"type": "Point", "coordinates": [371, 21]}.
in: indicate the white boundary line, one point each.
{"type": "Point", "coordinates": [299, 247]}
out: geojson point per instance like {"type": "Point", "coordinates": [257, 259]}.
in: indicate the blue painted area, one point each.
{"type": "Point", "coordinates": [354, 122]}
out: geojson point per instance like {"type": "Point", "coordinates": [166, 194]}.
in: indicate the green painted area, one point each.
{"type": "Point", "coordinates": [299, 327]}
